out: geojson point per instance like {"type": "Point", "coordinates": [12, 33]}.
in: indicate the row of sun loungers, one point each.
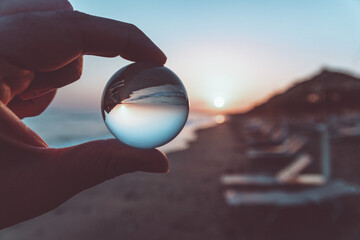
{"type": "Point", "coordinates": [314, 187]}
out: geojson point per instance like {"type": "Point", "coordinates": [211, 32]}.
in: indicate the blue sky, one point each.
{"type": "Point", "coordinates": [239, 50]}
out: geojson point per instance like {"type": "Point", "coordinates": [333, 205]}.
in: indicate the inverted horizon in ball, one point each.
{"type": "Point", "coordinates": [145, 105]}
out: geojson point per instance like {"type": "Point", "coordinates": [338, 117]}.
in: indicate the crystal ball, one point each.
{"type": "Point", "coordinates": [145, 105]}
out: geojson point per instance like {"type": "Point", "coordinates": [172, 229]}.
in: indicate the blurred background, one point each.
{"type": "Point", "coordinates": [270, 148]}
{"type": "Point", "coordinates": [241, 51]}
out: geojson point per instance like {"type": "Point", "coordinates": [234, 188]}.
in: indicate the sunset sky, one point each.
{"type": "Point", "coordinates": [237, 51]}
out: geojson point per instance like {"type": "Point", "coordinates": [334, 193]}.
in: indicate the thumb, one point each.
{"type": "Point", "coordinates": [89, 164]}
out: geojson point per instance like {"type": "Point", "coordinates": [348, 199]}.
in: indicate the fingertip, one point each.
{"type": "Point", "coordinates": [152, 54]}
{"type": "Point", "coordinates": [67, 5]}
{"type": "Point", "coordinates": [164, 167]}
{"type": "Point", "coordinates": [163, 58]}
{"type": "Point", "coordinates": [91, 163]}
{"type": "Point", "coordinates": [154, 161]}
{"type": "Point", "coordinates": [31, 107]}
{"type": "Point", "coordinates": [160, 56]}
{"type": "Point", "coordinates": [140, 47]}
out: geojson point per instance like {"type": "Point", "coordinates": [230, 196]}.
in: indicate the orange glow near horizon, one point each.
{"type": "Point", "coordinates": [223, 76]}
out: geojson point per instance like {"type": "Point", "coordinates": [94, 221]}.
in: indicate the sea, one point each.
{"type": "Point", "coordinates": [63, 128]}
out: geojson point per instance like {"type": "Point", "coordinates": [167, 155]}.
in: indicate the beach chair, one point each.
{"type": "Point", "coordinates": [288, 175]}
{"type": "Point", "coordinates": [332, 190]}
{"type": "Point", "coordinates": [346, 133]}
{"type": "Point", "coordinates": [289, 148]}
{"type": "Point", "coordinates": [264, 134]}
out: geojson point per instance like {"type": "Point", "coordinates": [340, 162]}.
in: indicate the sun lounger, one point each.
{"type": "Point", "coordinates": [265, 135]}
{"type": "Point", "coordinates": [331, 190]}
{"type": "Point", "coordinates": [288, 175]}
{"type": "Point", "coordinates": [290, 147]}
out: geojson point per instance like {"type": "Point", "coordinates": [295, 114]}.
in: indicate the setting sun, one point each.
{"type": "Point", "coordinates": [219, 102]}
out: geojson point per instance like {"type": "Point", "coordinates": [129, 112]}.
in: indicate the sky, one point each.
{"type": "Point", "coordinates": [241, 51]}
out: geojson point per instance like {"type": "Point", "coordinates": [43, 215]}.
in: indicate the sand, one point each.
{"type": "Point", "coordinates": [187, 203]}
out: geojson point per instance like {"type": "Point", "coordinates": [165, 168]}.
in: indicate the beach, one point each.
{"type": "Point", "coordinates": [254, 103]}
{"type": "Point", "coordinates": [187, 203]}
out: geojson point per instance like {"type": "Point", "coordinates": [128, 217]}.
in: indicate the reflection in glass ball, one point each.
{"type": "Point", "coordinates": [145, 105]}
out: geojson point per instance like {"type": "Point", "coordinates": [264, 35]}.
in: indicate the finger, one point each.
{"type": "Point", "coordinates": [13, 80]}
{"type": "Point", "coordinates": [8, 7]}
{"type": "Point", "coordinates": [45, 82]}
{"type": "Point", "coordinates": [13, 127]}
{"type": "Point", "coordinates": [31, 107]}
{"type": "Point", "coordinates": [55, 175]}
{"type": "Point", "coordinates": [83, 166]}
{"type": "Point", "coordinates": [54, 39]}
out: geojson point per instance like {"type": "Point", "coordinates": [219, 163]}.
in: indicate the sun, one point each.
{"type": "Point", "coordinates": [219, 102]}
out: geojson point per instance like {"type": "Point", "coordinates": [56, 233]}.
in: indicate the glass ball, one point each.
{"type": "Point", "coordinates": [145, 105]}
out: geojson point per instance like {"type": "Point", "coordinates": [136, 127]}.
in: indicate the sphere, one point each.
{"type": "Point", "coordinates": [145, 105]}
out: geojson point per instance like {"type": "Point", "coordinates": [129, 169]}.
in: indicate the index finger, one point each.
{"type": "Point", "coordinates": [46, 41]}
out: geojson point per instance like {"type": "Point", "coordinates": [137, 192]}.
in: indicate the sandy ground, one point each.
{"type": "Point", "coordinates": [187, 203]}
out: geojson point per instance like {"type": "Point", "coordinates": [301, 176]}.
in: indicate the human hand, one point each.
{"type": "Point", "coordinates": [46, 48]}
{"type": "Point", "coordinates": [40, 52]}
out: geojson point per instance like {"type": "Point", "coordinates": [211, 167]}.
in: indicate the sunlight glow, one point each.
{"type": "Point", "coordinates": [219, 102]}
{"type": "Point", "coordinates": [219, 119]}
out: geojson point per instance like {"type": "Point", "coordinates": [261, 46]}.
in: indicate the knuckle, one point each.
{"type": "Point", "coordinates": [5, 92]}
{"type": "Point", "coordinates": [77, 68]}
{"type": "Point", "coordinates": [20, 81]}
{"type": "Point", "coordinates": [73, 72]}
{"type": "Point", "coordinates": [70, 17]}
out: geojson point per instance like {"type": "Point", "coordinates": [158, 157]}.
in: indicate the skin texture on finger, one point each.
{"type": "Point", "coordinates": [14, 128]}
{"type": "Point", "coordinates": [31, 107]}
{"type": "Point", "coordinates": [54, 39]}
{"type": "Point", "coordinates": [8, 7]}
{"type": "Point", "coordinates": [65, 76]}
{"type": "Point", "coordinates": [5, 93]}
{"type": "Point", "coordinates": [47, 81]}
{"type": "Point", "coordinates": [49, 177]}
{"type": "Point", "coordinates": [13, 80]}
{"type": "Point", "coordinates": [18, 81]}
{"type": "Point", "coordinates": [23, 180]}
{"type": "Point", "coordinates": [89, 164]}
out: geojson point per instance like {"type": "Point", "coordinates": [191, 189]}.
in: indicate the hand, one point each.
{"type": "Point", "coordinates": [46, 48]}
{"type": "Point", "coordinates": [41, 48]}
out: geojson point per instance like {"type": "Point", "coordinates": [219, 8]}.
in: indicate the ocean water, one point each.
{"type": "Point", "coordinates": [146, 125]}
{"type": "Point", "coordinates": [64, 128]}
